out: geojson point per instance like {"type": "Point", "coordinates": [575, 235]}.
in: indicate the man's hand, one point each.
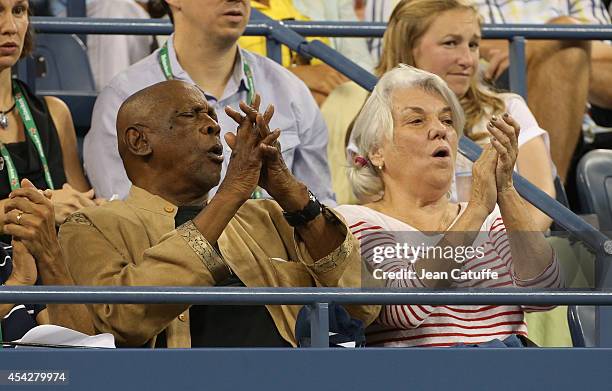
{"type": "Point", "coordinates": [275, 177]}
{"type": "Point", "coordinates": [30, 218]}
{"type": "Point", "coordinates": [248, 150]}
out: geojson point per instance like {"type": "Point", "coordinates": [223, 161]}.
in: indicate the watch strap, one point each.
{"type": "Point", "coordinates": [309, 213]}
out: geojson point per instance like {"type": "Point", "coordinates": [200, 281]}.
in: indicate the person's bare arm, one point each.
{"type": "Point", "coordinates": [76, 193]}
{"type": "Point", "coordinates": [531, 253]}
{"type": "Point", "coordinates": [600, 92]}
{"type": "Point", "coordinates": [67, 136]}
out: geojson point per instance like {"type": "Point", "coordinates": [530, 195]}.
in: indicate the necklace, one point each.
{"type": "Point", "coordinates": [4, 123]}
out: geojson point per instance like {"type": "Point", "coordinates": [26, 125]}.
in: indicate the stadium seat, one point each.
{"type": "Point", "coordinates": [581, 321]}
{"type": "Point", "coordinates": [594, 185]}
{"type": "Point", "coordinates": [62, 70]}
{"type": "Point", "coordinates": [40, 7]}
{"type": "Point", "coordinates": [62, 63]}
{"type": "Point", "coordinates": [594, 182]}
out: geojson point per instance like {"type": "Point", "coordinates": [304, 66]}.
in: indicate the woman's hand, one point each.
{"type": "Point", "coordinates": [24, 266]}
{"type": "Point", "coordinates": [484, 190]}
{"type": "Point", "coordinates": [505, 133]}
{"type": "Point", "coordinates": [30, 219]}
{"type": "Point", "coordinates": [68, 200]}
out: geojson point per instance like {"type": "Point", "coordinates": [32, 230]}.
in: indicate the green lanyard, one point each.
{"type": "Point", "coordinates": [32, 131]}
{"type": "Point", "coordinates": [164, 62]}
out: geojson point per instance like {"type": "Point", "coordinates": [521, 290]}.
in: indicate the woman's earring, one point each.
{"type": "Point", "coordinates": [381, 165]}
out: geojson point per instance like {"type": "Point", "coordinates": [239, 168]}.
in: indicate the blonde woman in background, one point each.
{"type": "Point", "coordinates": [442, 37]}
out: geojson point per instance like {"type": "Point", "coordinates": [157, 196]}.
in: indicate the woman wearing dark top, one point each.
{"type": "Point", "coordinates": [18, 319]}
{"type": "Point", "coordinates": [51, 119]}
{"type": "Point", "coordinates": [37, 142]}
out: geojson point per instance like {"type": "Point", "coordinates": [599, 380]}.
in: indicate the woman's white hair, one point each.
{"type": "Point", "coordinates": [374, 124]}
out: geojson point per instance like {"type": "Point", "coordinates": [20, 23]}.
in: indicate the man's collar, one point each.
{"type": "Point", "coordinates": [238, 77]}
{"type": "Point", "coordinates": [142, 199]}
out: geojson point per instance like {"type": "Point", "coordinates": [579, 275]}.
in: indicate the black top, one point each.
{"type": "Point", "coordinates": [229, 325]}
{"type": "Point", "coordinates": [24, 154]}
{"type": "Point", "coordinates": [233, 326]}
{"type": "Point", "coordinates": [23, 316]}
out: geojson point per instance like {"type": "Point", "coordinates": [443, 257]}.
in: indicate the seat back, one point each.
{"type": "Point", "coordinates": [61, 63]}
{"type": "Point", "coordinates": [62, 69]}
{"type": "Point", "coordinates": [40, 7]}
{"type": "Point", "coordinates": [581, 321]}
{"type": "Point", "coordinates": [594, 183]}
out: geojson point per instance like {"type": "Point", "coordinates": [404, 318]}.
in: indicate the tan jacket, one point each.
{"type": "Point", "coordinates": [135, 243]}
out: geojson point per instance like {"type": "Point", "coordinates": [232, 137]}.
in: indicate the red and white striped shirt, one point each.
{"type": "Point", "coordinates": [443, 325]}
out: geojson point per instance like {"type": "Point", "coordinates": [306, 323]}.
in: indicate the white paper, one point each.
{"type": "Point", "coordinates": [56, 335]}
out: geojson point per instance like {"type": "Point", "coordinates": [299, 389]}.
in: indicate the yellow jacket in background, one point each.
{"type": "Point", "coordinates": [278, 10]}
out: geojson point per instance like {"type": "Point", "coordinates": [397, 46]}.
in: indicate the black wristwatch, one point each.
{"type": "Point", "coordinates": [310, 211]}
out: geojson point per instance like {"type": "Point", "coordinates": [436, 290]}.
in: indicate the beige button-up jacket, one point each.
{"type": "Point", "coordinates": [135, 243]}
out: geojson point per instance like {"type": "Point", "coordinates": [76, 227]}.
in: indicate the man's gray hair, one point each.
{"type": "Point", "coordinates": [374, 124]}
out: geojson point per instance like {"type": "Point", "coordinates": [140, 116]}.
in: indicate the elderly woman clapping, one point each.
{"type": "Point", "coordinates": [406, 137]}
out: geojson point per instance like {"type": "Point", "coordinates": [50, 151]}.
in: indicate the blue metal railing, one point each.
{"type": "Point", "coordinates": [318, 298]}
{"type": "Point", "coordinates": [53, 25]}
{"type": "Point", "coordinates": [296, 296]}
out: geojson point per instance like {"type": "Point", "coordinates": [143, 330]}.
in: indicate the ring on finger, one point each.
{"type": "Point", "coordinates": [19, 217]}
